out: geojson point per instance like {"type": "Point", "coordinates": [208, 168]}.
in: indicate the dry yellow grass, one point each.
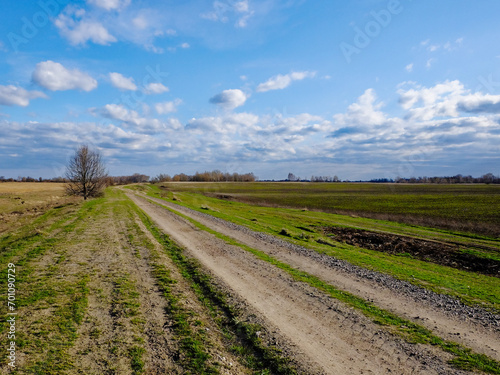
{"type": "Point", "coordinates": [21, 200]}
{"type": "Point", "coordinates": [30, 187]}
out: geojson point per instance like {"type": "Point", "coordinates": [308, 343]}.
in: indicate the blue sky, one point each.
{"type": "Point", "coordinates": [360, 89]}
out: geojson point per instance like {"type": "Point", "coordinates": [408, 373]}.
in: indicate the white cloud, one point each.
{"type": "Point", "coordinates": [229, 99]}
{"type": "Point", "coordinates": [428, 96]}
{"type": "Point", "coordinates": [155, 88]}
{"type": "Point", "coordinates": [228, 124]}
{"type": "Point", "coordinates": [13, 95]}
{"type": "Point", "coordinates": [110, 4]}
{"type": "Point", "coordinates": [131, 118]}
{"type": "Point", "coordinates": [448, 46]}
{"type": "Point", "coordinates": [120, 112]}
{"type": "Point", "coordinates": [121, 82]}
{"type": "Point", "coordinates": [185, 45]}
{"type": "Point", "coordinates": [222, 11]}
{"type": "Point", "coordinates": [140, 22]}
{"type": "Point", "coordinates": [55, 77]}
{"type": "Point", "coordinates": [479, 103]}
{"type": "Point", "coordinates": [78, 29]}
{"type": "Point", "coordinates": [174, 124]}
{"type": "Point", "coordinates": [365, 112]}
{"type": "Point", "coordinates": [241, 6]}
{"type": "Point", "coordinates": [447, 99]}
{"type": "Point", "coordinates": [167, 107]}
{"type": "Point", "coordinates": [409, 68]}
{"type": "Point", "coordinates": [280, 82]}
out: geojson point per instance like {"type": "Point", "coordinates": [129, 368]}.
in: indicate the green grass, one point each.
{"type": "Point", "coordinates": [51, 337]}
{"type": "Point", "coordinates": [470, 288]}
{"type": "Point", "coordinates": [472, 208]}
{"type": "Point", "coordinates": [245, 342]}
{"type": "Point", "coordinates": [137, 363]}
{"type": "Point", "coordinates": [194, 357]}
{"type": "Point", "coordinates": [411, 332]}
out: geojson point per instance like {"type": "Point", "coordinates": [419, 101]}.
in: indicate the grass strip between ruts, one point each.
{"type": "Point", "coordinates": [264, 359]}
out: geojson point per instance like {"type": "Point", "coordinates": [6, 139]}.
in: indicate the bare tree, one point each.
{"type": "Point", "coordinates": [86, 173]}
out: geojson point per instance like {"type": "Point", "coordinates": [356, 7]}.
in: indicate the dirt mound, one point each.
{"type": "Point", "coordinates": [430, 251]}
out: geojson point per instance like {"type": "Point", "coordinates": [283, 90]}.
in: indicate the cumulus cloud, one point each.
{"type": "Point", "coordinates": [229, 124]}
{"type": "Point", "coordinates": [110, 4]}
{"type": "Point", "coordinates": [13, 95]}
{"type": "Point", "coordinates": [121, 113]}
{"type": "Point", "coordinates": [280, 82]}
{"type": "Point", "coordinates": [365, 112]}
{"type": "Point", "coordinates": [155, 88]}
{"type": "Point", "coordinates": [229, 99]}
{"type": "Point", "coordinates": [478, 103]}
{"type": "Point", "coordinates": [132, 119]}
{"type": "Point", "coordinates": [79, 29]}
{"type": "Point", "coordinates": [121, 82]}
{"type": "Point", "coordinates": [447, 99]}
{"type": "Point", "coordinates": [167, 107]}
{"type": "Point", "coordinates": [55, 77]}
{"type": "Point", "coordinates": [428, 96]}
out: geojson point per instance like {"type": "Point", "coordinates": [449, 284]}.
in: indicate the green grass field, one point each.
{"type": "Point", "coordinates": [304, 227]}
{"type": "Point", "coordinates": [470, 208]}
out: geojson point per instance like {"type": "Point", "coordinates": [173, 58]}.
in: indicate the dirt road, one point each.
{"type": "Point", "coordinates": [474, 333]}
{"type": "Point", "coordinates": [325, 335]}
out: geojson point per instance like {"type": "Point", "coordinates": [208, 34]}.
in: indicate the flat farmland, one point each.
{"type": "Point", "coordinates": [472, 208]}
{"type": "Point", "coordinates": [155, 279]}
{"type": "Point", "coordinates": [20, 200]}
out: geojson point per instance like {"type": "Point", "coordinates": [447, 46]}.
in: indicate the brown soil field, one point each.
{"type": "Point", "coordinates": [436, 252]}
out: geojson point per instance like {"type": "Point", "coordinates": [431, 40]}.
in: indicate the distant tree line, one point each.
{"type": "Point", "coordinates": [324, 179]}
{"type": "Point", "coordinates": [125, 180]}
{"type": "Point", "coordinates": [31, 179]}
{"type": "Point", "coordinates": [213, 176]}
{"type": "Point", "coordinates": [218, 176]}
{"type": "Point", "coordinates": [110, 180]}
{"type": "Point", "coordinates": [488, 178]}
